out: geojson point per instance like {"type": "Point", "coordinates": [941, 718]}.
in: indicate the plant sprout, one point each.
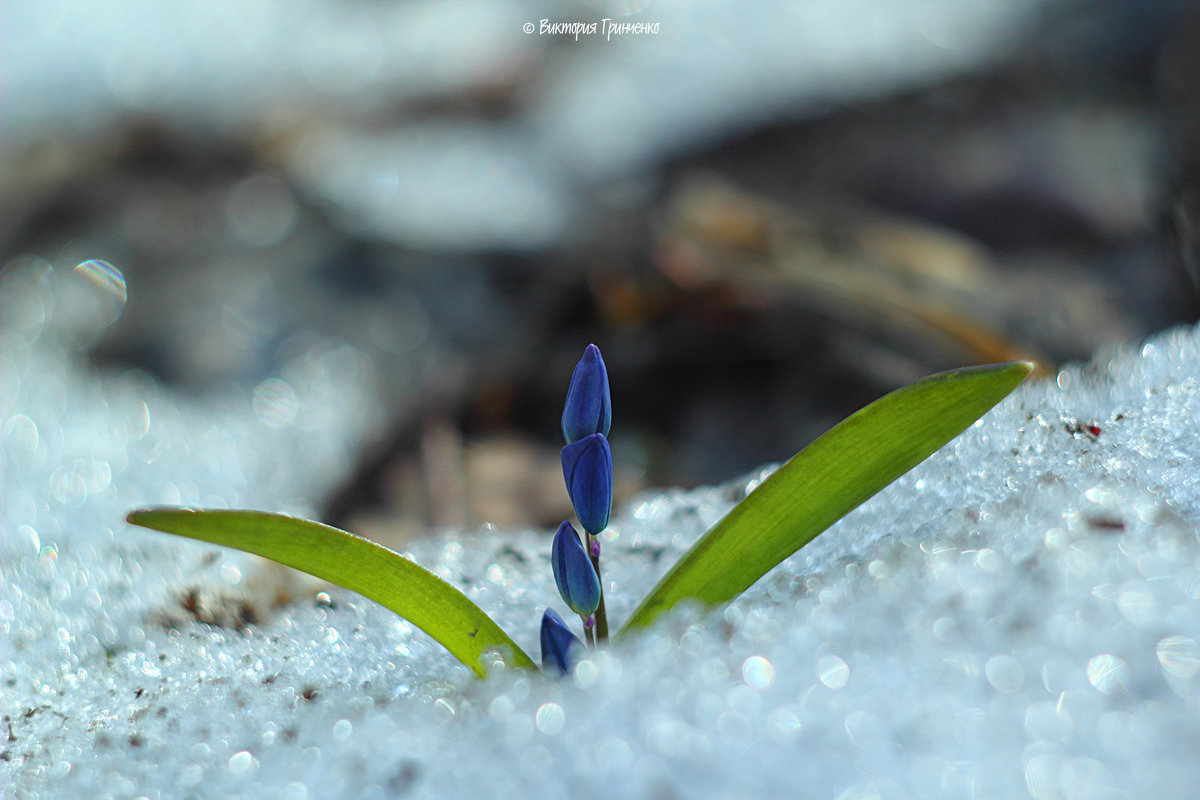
{"type": "Point", "coordinates": [818, 486]}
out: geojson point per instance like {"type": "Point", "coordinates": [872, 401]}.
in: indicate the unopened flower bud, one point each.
{"type": "Point", "coordinates": [587, 469]}
{"type": "Point", "coordinates": [588, 408]}
{"type": "Point", "coordinates": [573, 572]}
{"type": "Point", "coordinates": [557, 642]}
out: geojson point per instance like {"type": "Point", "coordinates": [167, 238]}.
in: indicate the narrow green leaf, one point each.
{"type": "Point", "coordinates": [372, 570]}
{"type": "Point", "coordinates": [826, 480]}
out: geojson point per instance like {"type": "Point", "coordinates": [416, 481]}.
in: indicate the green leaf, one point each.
{"type": "Point", "coordinates": [372, 570]}
{"type": "Point", "coordinates": [828, 479]}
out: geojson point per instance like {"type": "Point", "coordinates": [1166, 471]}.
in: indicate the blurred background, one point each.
{"type": "Point", "coordinates": [765, 214]}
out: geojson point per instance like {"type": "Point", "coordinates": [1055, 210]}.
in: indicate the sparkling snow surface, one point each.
{"type": "Point", "coordinates": [1016, 617]}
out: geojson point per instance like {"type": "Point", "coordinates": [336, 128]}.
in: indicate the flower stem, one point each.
{"type": "Point", "coordinates": [601, 629]}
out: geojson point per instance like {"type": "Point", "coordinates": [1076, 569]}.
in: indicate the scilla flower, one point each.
{"type": "Point", "coordinates": [557, 641]}
{"type": "Point", "coordinates": [588, 471]}
{"type": "Point", "coordinates": [573, 572]}
{"type": "Point", "coordinates": [588, 408]}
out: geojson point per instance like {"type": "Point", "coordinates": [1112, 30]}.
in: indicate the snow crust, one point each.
{"type": "Point", "coordinates": [1016, 617]}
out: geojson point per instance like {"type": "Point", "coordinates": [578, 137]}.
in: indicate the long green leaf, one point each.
{"type": "Point", "coordinates": [372, 570]}
{"type": "Point", "coordinates": [826, 480]}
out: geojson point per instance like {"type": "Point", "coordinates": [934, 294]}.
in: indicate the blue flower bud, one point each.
{"type": "Point", "coordinates": [587, 469]}
{"type": "Point", "coordinates": [557, 641]}
{"type": "Point", "coordinates": [589, 405]}
{"type": "Point", "coordinates": [573, 572]}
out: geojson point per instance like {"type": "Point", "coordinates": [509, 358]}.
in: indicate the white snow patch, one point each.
{"type": "Point", "coordinates": [1018, 616]}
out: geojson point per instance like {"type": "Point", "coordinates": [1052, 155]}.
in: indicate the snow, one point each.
{"type": "Point", "coordinates": [1018, 616]}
